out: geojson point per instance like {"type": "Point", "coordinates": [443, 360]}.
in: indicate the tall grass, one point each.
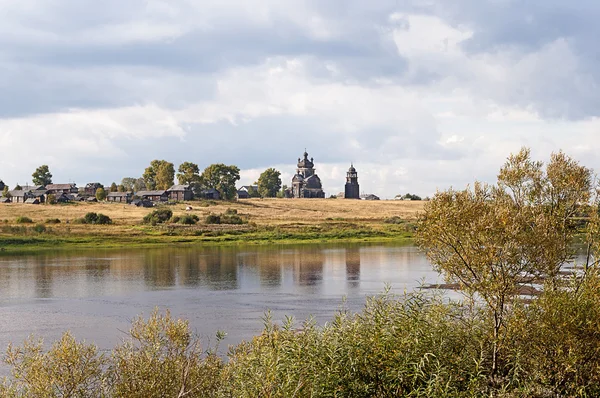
{"type": "Point", "coordinates": [414, 345]}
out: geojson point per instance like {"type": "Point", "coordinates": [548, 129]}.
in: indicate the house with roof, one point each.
{"type": "Point", "coordinates": [19, 196]}
{"type": "Point", "coordinates": [32, 201]}
{"type": "Point", "coordinates": [210, 194]}
{"type": "Point", "coordinates": [119, 197]}
{"type": "Point", "coordinates": [153, 196]}
{"type": "Point", "coordinates": [247, 191]}
{"type": "Point", "coordinates": [57, 189]}
{"type": "Point", "coordinates": [180, 193]}
{"type": "Point", "coordinates": [92, 187]}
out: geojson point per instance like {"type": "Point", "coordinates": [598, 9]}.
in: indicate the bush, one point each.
{"type": "Point", "coordinates": [51, 200]}
{"type": "Point", "coordinates": [213, 219]}
{"type": "Point", "coordinates": [53, 221]}
{"type": "Point", "coordinates": [94, 219]}
{"type": "Point", "coordinates": [39, 228]}
{"type": "Point", "coordinates": [231, 212]}
{"type": "Point", "coordinates": [158, 216]}
{"type": "Point", "coordinates": [231, 219]}
{"type": "Point", "coordinates": [24, 220]}
{"type": "Point", "coordinates": [188, 219]}
{"type": "Point", "coordinates": [394, 220]}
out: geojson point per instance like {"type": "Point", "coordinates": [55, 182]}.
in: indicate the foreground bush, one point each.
{"type": "Point", "coordinates": [94, 219]}
{"type": "Point", "coordinates": [415, 345]}
{"type": "Point", "coordinates": [24, 220]}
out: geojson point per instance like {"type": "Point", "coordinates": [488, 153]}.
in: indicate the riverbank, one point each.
{"type": "Point", "coordinates": [266, 221]}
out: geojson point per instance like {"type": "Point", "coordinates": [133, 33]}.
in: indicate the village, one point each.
{"type": "Point", "coordinates": [305, 184]}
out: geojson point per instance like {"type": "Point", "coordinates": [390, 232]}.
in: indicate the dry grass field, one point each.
{"type": "Point", "coordinates": [315, 218]}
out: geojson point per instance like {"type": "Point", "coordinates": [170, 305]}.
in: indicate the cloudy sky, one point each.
{"type": "Point", "coordinates": [420, 95]}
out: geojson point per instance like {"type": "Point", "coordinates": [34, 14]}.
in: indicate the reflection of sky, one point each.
{"type": "Point", "coordinates": [96, 294]}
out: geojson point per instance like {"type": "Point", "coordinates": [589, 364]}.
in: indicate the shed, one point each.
{"type": "Point", "coordinates": [180, 192]}
{"type": "Point", "coordinates": [4, 200]}
{"type": "Point", "coordinates": [33, 201]}
{"type": "Point", "coordinates": [154, 196]}
{"type": "Point", "coordinates": [120, 197]}
{"type": "Point", "coordinates": [211, 194]}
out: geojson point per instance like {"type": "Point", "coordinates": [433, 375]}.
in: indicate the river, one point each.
{"type": "Point", "coordinates": [96, 293]}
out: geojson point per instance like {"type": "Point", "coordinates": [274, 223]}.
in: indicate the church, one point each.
{"type": "Point", "coordinates": [306, 184]}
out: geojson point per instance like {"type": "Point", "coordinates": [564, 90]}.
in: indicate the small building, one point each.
{"type": "Point", "coordinates": [210, 194]}
{"type": "Point", "coordinates": [57, 189]}
{"type": "Point", "coordinates": [369, 196]}
{"type": "Point", "coordinates": [20, 196]}
{"type": "Point", "coordinates": [32, 201]}
{"type": "Point", "coordinates": [91, 199]}
{"type": "Point", "coordinates": [247, 192]}
{"type": "Point", "coordinates": [64, 198]}
{"type": "Point", "coordinates": [90, 188]}
{"type": "Point", "coordinates": [180, 193]}
{"type": "Point", "coordinates": [4, 200]}
{"type": "Point", "coordinates": [41, 194]}
{"type": "Point", "coordinates": [141, 203]}
{"type": "Point", "coordinates": [119, 197]}
{"type": "Point", "coordinates": [153, 196]}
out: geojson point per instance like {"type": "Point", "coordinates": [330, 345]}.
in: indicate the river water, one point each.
{"type": "Point", "coordinates": [96, 294]}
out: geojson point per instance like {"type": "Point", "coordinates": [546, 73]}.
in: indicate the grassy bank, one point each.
{"type": "Point", "coordinates": [265, 221]}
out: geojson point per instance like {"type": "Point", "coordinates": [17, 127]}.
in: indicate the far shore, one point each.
{"type": "Point", "coordinates": [266, 221]}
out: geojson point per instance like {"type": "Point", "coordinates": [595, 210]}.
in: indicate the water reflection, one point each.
{"type": "Point", "coordinates": [97, 293]}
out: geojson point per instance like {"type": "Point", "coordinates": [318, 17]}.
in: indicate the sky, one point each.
{"type": "Point", "coordinates": [420, 95]}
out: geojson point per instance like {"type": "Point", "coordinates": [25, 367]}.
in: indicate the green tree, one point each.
{"type": "Point", "coordinates": [121, 188]}
{"type": "Point", "coordinates": [6, 192]}
{"type": "Point", "coordinates": [139, 185]}
{"type": "Point", "coordinates": [113, 187]}
{"type": "Point", "coordinates": [42, 176]}
{"type": "Point", "coordinates": [128, 183]}
{"type": "Point", "coordinates": [18, 187]}
{"type": "Point", "coordinates": [269, 183]}
{"type": "Point", "coordinates": [100, 194]}
{"type": "Point", "coordinates": [188, 173]}
{"type": "Point", "coordinates": [490, 238]}
{"type": "Point", "coordinates": [159, 175]}
{"type": "Point", "coordinates": [222, 178]}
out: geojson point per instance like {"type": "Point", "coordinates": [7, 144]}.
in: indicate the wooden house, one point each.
{"type": "Point", "coordinates": [120, 197]}
{"type": "Point", "coordinates": [141, 203]}
{"type": "Point", "coordinates": [33, 201]}
{"type": "Point", "coordinates": [58, 189]}
{"type": "Point", "coordinates": [180, 193]}
{"type": "Point", "coordinates": [20, 196]}
{"type": "Point", "coordinates": [211, 193]}
{"type": "Point", "coordinates": [90, 188]}
{"type": "Point", "coordinates": [4, 200]}
{"type": "Point", "coordinates": [153, 196]}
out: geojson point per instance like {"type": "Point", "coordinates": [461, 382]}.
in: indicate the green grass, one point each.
{"type": "Point", "coordinates": [23, 239]}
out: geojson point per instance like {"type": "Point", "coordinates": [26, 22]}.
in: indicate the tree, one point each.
{"type": "Point", "coordinates": [222, 178]}
{"type": "Point", "coordinates": [128, 183]}
{"type": "Point", "coordinates": [269, 183]}
{"type": "Point", "coordinates": [490, 239]}
{"type": "Point", "coordinates": [100, 194]}
{"type": "Point", "coordinates": [42, 176]}
{"type": "Point", "coordinates": [188, 173]}
{"type": "Point", "coordinates": [139, 185]}
{"type": "Point", "coordinates": [159, 175]}
{"type": "Point", "coordinates": [281, 193]}
{"type": "Point", "coordinates": [121, 188]}
{"type": "Point", "coordinates": [113, 187]}
{"type": "Point", "coordinates": [6, 192]}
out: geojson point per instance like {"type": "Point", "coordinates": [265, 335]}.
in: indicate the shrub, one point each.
{"type": "Point", "coordinates": [231, 212]}
{"type": "Point", "coordinates": [53, 221]}
{"type": "Point", "coordinates": [394, 220]}
{"type": "Point", "coordinates": [39, 228]}
{"type": "Point", "coordinates": [231, 219]}
{"type": "Point", "coordinates": [24, 220]}
{"type": "Point", "coordinates": [188, 219]}
{"type": "Point", "coordinates": [94, 219]}
{"type": "Point", "coordinates": [213, 219]}
{"type": "Point", "coordinates": [158, 216]}
{"type": "Point", "coordinates": [51, 200]}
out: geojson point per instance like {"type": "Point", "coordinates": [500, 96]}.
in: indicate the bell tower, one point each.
{"type": "Point", "coordinates": [352, 189]}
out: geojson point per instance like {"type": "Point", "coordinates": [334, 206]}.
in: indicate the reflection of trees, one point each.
{"type": "Point", "coordinates": [308, 266]}
{"type": "Point", "coordinates": [265, 262]}
{"type": "Point", "coordinates": [353, 266]}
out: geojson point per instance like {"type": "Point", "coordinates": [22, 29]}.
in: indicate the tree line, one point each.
{"type": "Point", "coordinates": [161, 174]}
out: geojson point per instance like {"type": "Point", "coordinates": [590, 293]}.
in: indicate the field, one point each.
{"type": "Point", "coordinates": [265, 220]}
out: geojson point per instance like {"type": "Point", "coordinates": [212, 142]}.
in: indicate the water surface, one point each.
{"type": "Point", "coordinates": [96, 294]}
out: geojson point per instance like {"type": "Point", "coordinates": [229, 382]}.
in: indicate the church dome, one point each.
{"type": "Point", "coordinates": [351, 169]}
{"type": "Point", "coordinates": [305, 163]}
